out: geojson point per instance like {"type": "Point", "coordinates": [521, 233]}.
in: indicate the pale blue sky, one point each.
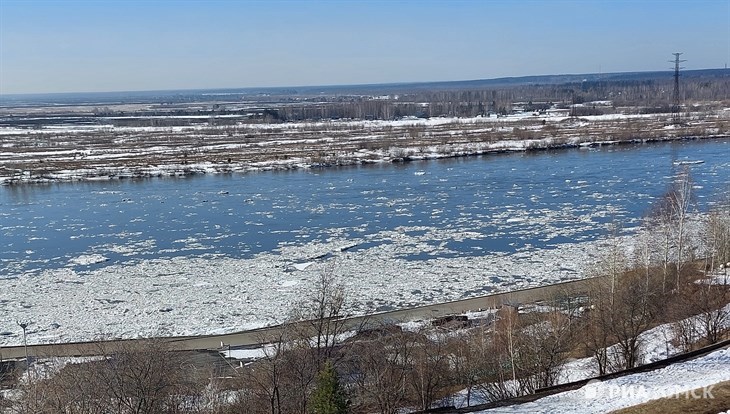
{"type": "Point", "coordinates": [98, 45]}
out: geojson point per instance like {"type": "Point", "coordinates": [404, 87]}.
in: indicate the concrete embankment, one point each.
{"type": "Point", "coordinates": [255, 337]}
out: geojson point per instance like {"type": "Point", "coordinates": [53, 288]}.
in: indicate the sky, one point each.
{"type": "Point", "coordinates": [98, 45]}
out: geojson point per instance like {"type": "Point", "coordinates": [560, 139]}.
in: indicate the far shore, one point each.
{"type": "Point", "coordinates": [33, 157]}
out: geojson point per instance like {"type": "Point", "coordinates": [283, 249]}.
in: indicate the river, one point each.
{"type": "Point", "coordinates": [495, 211]}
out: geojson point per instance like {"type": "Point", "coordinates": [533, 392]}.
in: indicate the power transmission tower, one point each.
{"type": "Point", "coordinates": [676, 101]}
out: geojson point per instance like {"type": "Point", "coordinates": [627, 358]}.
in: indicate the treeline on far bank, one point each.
{"type": "Point", "coordinates": [590, 97]}
{"type": "Point", "coordinates": [581, 98]}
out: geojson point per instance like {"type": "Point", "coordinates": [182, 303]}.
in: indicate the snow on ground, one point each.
{"type": "Point", "coordinates": [329, 124]}
{"type": "Point", "coordinates": [334, 124]}
{"type": "Point", "coordinates": [630, 390]}
{"type": "Point", "coordinates": [656, 346]}
{"type": "Point", "coordinates": [125, 157]}
{"type": "Point", "coordinates": [719, 277]}
{"type": "Point", "coordinates": [249, 354]}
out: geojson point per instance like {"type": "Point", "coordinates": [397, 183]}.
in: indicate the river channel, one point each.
{"type": "Point", "coordinates": [238, 234]}
{"type": "Point", "coordinates": [515, 200]}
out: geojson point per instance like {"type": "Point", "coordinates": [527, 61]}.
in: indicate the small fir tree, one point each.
{"type": "Point", "coordinates": [329, 398]}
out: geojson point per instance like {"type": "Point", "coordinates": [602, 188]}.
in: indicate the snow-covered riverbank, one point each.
{"type": "Point", "coordinates": [103, 152]}
{"type": "Point", "coordinates": [693, 379]}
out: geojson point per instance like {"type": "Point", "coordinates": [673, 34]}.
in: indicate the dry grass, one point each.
{"type": "Point", "coordinates": [685, 404]}
{"type": "Point", "coordinates": [104, 151]}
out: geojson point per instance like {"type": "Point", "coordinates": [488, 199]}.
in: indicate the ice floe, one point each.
{"type": "Point", "coordinates": [192, 295]}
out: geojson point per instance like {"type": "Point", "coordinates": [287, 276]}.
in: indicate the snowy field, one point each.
{"type": "Point", "coordinates": [104, 151]}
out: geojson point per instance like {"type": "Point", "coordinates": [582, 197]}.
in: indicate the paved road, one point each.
{"type": "Point", "coordinates": [255, 337]}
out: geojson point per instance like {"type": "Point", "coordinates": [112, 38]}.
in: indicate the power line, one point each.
{"type": "Point", "coordinates": [676, 104]}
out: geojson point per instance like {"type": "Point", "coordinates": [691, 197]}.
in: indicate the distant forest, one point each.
{"type": "Point", "coordinates": [589, 94]}
{"type": "Point", "coordinates": [468, 99]}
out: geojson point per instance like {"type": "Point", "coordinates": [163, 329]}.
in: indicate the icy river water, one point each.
{"type": "Point", "coordinates": [515, 200]}
{"type": "Point", "coordinates": [460, 226]}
